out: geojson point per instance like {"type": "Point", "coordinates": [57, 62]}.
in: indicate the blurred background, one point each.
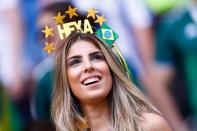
{"type": "Point", "coordinates": [157, 38]}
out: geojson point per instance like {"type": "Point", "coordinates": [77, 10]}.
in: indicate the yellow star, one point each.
{"type": "Point", "coordinates": [59, 18]}
{"type": "Point", "coordinates": [100, 20]}
{"type": "Point", "coordinates": [91, 13]}
{"type": "Point", "coordinates": [48, 31]}
{"type": "Point", "coordinates": [49, 47]}
{"type": "Point", "coordinates": [71, 12]}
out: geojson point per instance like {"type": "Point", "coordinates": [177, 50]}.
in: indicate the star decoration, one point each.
{"type": "Point", "coordinates": [71, 12]}
{"type": "Point", "coordinates": [91, 13]}
{"type": "Point", "coordinates": [49, 47]}
{"type": "Point", "coordinates": [100, 20]}
{"type": "Point", "coordinates": [59, 18]}
{"type": "Point", "coordinates": [48, 31]}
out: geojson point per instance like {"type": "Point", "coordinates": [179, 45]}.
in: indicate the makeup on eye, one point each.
{"type": "Point", "coordinates": [74, 60]}
{"type": "Point", "coordinates": [94, 56]}
{"type": "Point", "coordinates": [97, 56]}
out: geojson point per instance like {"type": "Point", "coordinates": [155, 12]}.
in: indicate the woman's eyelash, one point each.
{"type": "Point", "coordinates": [74, 62]}
{"type": "Point", "coordinates": [97, 57]}
{"type": "Point", "coordinates": [93, 57]}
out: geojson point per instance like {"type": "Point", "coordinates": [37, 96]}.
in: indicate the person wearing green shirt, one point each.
{"type": "Point", "coordinates": [10, 119]}
{"type": "Point", "coordinates": [176, 57]}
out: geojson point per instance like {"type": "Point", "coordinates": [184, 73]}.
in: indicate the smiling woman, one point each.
{"type": "Point", "coordinates": [93, 91]}
{"type": "Point", "coordinates": [88, 74]}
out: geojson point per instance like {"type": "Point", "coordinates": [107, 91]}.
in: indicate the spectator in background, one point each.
{"type": "Point", "coordinates": [11, 47]}
{"type": "Point", "coordinates": [176, 59]}
{"type": "Point", "coordinates": [32, 50]}
{"type": "Point", "coordinates": [10, 119]}
{"type": "Point", "coordinates": [10, 64]}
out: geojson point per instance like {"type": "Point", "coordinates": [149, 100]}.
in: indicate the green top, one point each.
{"type": "Point", "coordinates": [10, 119]}
{"type": "Point", "coordinates": [43, 96]}
{"type": "Point", "coordinates": [176, 45]}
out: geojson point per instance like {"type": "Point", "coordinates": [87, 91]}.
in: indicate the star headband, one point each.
{"type": "Point", "coordinates": [104, 32]}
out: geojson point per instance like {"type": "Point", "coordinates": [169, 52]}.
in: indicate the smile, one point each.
{"type": "Point", "coordinates": [91, 80]}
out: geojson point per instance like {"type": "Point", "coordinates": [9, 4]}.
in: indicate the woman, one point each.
{"type": "Point", "coordinates": [93, 92]}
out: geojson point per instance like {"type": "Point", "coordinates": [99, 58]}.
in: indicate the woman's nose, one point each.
{"type": "Point", "coordinates": [88, 66]}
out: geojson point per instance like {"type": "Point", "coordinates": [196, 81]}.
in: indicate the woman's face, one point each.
{"type": "Point", "coordinates": [88, 74]}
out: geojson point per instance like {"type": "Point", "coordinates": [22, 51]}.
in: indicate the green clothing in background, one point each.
{"type": "Point", "coordinates": [176, 46]}
{"type": "Point", "coordinates": [43, 96]}
{"type": "Point", "coordinates": [163, 6]}
{"type": "Point", "coordinates": [9, 118]}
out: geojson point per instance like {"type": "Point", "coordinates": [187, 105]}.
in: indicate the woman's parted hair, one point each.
{"type": "Point", "coordinates": [126, 102]}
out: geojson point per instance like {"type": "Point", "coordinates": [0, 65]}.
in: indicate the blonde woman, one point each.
{"type": "Point", "coordinates": [94, 93]}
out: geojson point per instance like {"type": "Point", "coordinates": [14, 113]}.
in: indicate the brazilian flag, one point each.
{"type": "Point", "coordinates": [107, 34]}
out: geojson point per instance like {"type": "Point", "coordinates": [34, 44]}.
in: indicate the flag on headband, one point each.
{"type": "Point", "coordinates": [107, 34]}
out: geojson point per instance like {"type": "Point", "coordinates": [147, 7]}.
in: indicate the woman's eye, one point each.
{"type": "Point", "coordinates": [74, 62]}
{"type": "Point", "coordinates": [97, 57]}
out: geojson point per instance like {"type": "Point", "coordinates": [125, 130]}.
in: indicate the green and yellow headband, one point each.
{"type": "Point", "coordinates": [105, 33]}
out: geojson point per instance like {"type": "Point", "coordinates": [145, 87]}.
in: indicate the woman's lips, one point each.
{"type": "Point", "coordinates": [91, 80]}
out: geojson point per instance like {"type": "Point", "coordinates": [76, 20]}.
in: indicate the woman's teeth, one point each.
{"type": "Point", "coordinates": [91, 80]}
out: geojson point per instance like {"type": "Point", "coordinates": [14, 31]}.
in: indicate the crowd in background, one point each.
{"type": "Point", "coordinates": [157, 38]}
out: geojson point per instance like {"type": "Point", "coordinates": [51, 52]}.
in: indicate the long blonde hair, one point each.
{"type": "Point", "coordinates": [126, 102]}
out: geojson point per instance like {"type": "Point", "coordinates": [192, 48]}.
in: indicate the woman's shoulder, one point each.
{"type": "Point", "coordinates": [154, 122]}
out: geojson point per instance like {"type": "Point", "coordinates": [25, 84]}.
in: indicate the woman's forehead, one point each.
{"type": "Point", "coordinates": [82, 47]}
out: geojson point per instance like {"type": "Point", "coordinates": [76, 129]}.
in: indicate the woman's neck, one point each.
{"type": "Point", "coordinates": [97, 116]}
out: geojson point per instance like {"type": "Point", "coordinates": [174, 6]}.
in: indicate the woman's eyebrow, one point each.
{"type": "Point", "coordinates": [95, 53]}
{"type": "Point", "coordinates": [79, 56]}
{"type": "Point", "coordinates": [74, 57]}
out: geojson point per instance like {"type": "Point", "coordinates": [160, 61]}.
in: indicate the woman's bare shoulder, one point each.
{"type": "Point", "coordinates": [154, 122]}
